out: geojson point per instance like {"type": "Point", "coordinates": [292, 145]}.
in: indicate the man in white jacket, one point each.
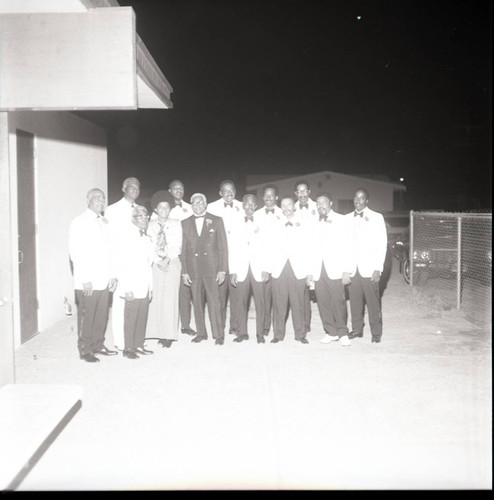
{"type": "Point", "coordinates": [368, 241]}
{"type": "Point", "coordinates": [135, 282]}
{"type": "Point", "coordinates": [290, 267]}
{"type": "Point", "coordinates": [89, 249]}
{"type": "Point", "coordinates": [248, 264]}
{"type": "Point", "coordinates": [329, 263]}
{"type": "Point", "coordinates": [231, 211]}
{"type": "Point", "coordinates": [267, 216]}
{"type": "Point", "coordinates": [119, 216]}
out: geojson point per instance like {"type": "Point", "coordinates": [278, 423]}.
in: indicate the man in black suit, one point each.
{"type": "Point", "coordinates": [204, 261]}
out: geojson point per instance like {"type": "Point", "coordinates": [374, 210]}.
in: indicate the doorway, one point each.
{"type": "Point", "coordinates": [28, 286]}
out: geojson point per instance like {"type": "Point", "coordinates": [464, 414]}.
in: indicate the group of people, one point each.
{"type": "Point", "coordinates": [153, 270]}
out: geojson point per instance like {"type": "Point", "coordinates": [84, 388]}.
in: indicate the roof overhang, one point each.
{"type": "Point", "coordinates": [76, 54]}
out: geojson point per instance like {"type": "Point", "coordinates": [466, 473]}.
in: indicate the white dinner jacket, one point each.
{"type": "Point", "coordinates": [266, 220]}
{"type": "Point", "coordinates": [293, 243]}
{"type": "Point", "coordinates": [331, 247]}
{"type": "Point", "coordinates": [181, 212]}
{"type": "Point", "coordinates": [134, 261]}
{"type": "Point", "coordinates": [230, 216]}
{"type": "Point", "coordinates": [368, 241]}
{"type": "Point", "coordinates": [309, 214]}
{"type": "Point", "coordinates": [248, 247]}
{"type": "Point", "coordinates": [89, 249]}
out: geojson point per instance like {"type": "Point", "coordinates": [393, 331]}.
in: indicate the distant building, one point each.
{"type": "Point", "coordinates": [385, 195]}
{"type": "Point", "coordinates": [57, 57]}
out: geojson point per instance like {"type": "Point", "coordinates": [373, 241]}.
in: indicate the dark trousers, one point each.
{"type": "Point", "coordinates": [135, 321]}
{"type": "Point", "coordinates": [331, 303]}
{"type": "Point", "coordinates": [207, 290]}
{"type": "Point", "coordinates": [268, 304]}
{"type": "Point", "coordinates": [363, 291]}
{"type": "Point", "coordinates": [288, 293]}
{"type": "Point", "coordinates": [228, 291]}
{"type": "Point", "coordinates": [307, 309]}
{"type": "Point", "coordinates": [184, 304]}
{"type": "Point", "coordinates": [243, 294]}
{"type": "Point", "coordinates": [92, 319]}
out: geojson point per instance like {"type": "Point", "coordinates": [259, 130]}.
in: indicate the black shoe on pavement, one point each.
{"type": "Point", "coordinates": [219, 341]}
{"type": "Point", "coordinates": [143, 351]}
{"type": "Point", "coordinates": [261, 339]}
{"type": "Point", "coordinates": [353, 335]}
{"type": "Point", "coordinates": [188, 331]}
{"type": "Point", "coordinates": [90, 358]}
{"type": "Point", "coordinates": [275, 341]}
{"type": "Point", "coordinates": [303, 340]}
{"type": "Point", "coordinates": [198, 338]}
{"type": "Point", "coordinates": [376, 340]}
{"type": "Point", "coordinates": [106, 352]}
{"type": "Point", "coordinates": [241, 338]}
{"type": "Point", "coordinates": [127, 353]}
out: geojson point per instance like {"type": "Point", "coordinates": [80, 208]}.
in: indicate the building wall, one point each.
{"type": "Point", "coordinates": [341, 187]}
{"type": "Point", "coordinates": [71, 158]}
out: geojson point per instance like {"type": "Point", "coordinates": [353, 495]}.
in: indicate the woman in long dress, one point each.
{"type": "Point", "coordinates": [166, 234]}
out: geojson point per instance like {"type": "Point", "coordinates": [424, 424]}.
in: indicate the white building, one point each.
{"type": "Point", "coordinates": [57, 56]}
{"type": "Point", "coordinates": [385, 196]}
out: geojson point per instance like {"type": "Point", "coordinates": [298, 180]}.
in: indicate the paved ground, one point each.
{"type": "Point", "coordinates": [413, 412]}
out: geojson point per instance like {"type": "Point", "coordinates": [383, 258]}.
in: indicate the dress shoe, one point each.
{"type": "Point", "coordinates": [130, 354]}
{"type": "Point", "coordinates": [106, 352]}
{"type": "Point", "coordinates": [188, 331]}
{"type": "Point", "coordinates": [241, 338]}
{"type": "Point", "coordinates": [266, 332]}
{"type": "Point", "coordinates": [376, 340]}
{"type": "Point", "coordinates": [354, 335]}
{"type": "Point", "coordinates": [233, 331]}
{"type": "Point", "coordinates": [219, 341]}
{"type": "Point", "coordinates": [198, 338]}
{"type": "Point", "coordinates": [303, 340]}
{"type": "Point", "coordinates": [261, 339]}
{"type": "Point", "coordinates": [143, 351]}
{"type": "Point", "coordinates": [345, 341]}
{"type": "Point", "coordinates": [165, 342]}
{"type": "Point", "coordinates": [90, 358]}
{"type": "Point", "coordinates": [275, 340]}
{"type": "Point", "coordinates": [327, 339]}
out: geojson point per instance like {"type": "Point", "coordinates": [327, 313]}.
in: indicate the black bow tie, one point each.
{"type": "Point", "coordinates": [199, 216]}
{"type": "Point", "coordinates": [359, 214]}
{"type": "Point", "coordinates": [270, 210]}
{"type": "Point", "coordinates": [229, 204]}
{"type": "Point", "coordinates": [179, 204]}
{"type": "Point", "coordinates": [323, 217]}
{"type": "Point", "coordinates": [288, 224]}
{"type": "Point", "coordinates": [143, 233]}
{"type": "Point", "coordinates": [250, 218]}
{"type": "Point", "coordinates": [304, 205]}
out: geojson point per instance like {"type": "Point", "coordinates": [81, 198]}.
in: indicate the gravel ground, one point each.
{"type": "Point", "coordinates": [413, 412]}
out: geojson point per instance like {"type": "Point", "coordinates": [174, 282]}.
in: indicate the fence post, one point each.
{"type": "Point", "coordinates": [458, 272]}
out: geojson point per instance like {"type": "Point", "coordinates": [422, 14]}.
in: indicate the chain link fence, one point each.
{"type": "Point", "coordinates": [451, 258]}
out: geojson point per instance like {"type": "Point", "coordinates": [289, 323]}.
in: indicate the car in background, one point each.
{"type": "Point", "coordinates": [396, 224]}
{"type": "Point", "coordinates": [435, 252]}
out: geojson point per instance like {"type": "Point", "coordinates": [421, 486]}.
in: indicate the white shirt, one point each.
{"type": "Point", "coordinates": [89, 249]}
{"type": "Point", "coordinates": [309, 214]}
{"type": "Point", "coordinates": [266, 218]}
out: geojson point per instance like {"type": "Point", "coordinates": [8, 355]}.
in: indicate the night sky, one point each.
{"type": "Point", "coordinates": [396, 88]}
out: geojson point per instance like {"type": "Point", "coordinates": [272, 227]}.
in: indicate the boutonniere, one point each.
{"type": "Point", "coordinates": [329, 221]}
{"type": "Point", "coordinates": [297, 224]}
{"type": "Point", "coordinates": [208, 222]}
{"type": "Point", "coordinates": [313, 212]}
{"type": "Point", "coordinates": [184, 210]}
{"type": "Point", "coordinates": [366, 218]}
{"type": "Point", "coordinates": [256, 230]}
{"type": "Point", "coordinates": [237, 209]}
